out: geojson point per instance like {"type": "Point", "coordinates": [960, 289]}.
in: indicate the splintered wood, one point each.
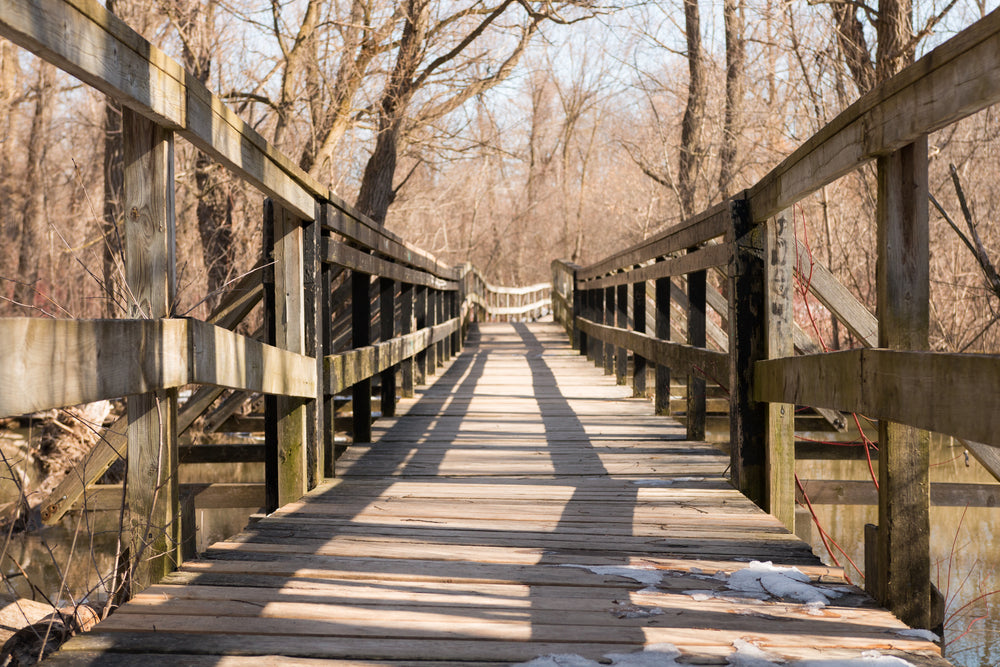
{"type": "Point", "coordinates": [522, 506]}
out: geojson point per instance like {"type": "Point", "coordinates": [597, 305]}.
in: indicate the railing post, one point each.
{"type": "Point", "coordinates": [329, 402]}
{"type": "Point", "coordinates": [779, 253]}
{"type": "Point", "coordinates": [597, 312]}
{"type": "Point", "coordinates": [455, 312]}
{"type": "Point", "coordinates": [432, 349]}
{"type": "Point", "coordinates": [621, 357]}
{"type": "Point", "coordinates": [609, 320]}
{"type": "Point", "coordinates": [747, 344]}
{"type": "Point", "coordinates": [148, 235]}
{"type": "Point", "coordinates": [406, 327]}
{"type": "Point", "coordinates": [420, 365]}
{"type": "Point", "coordinates": [696, 337]}
{"type": "Point", "coordinates": [361, 315]}
{"type": "Point", "coordinates": [285, 475]}
{"type": "Point", "coordinates": [387, 330]}
{"type": "Point", "coordinates": [639, 325]}
{"type": "Point", "coordinates": [314, 344]}
{"type": "Point", "coordinates": [579, 299]}
{"type": "Point", "coordinates": [903, 323]}
{"type": "Point", "coordinates": [661, 393]}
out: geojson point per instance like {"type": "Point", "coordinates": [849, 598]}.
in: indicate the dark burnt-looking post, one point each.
{"type": "Point", "coordinates": [406, 327]}
{"type": "Point", "coordinates": [621, 358]}
{"type": "Point", "coordinates": [420, 315]}
{"type": "Point", "coordinates": [361, 317]}
{"type": "Point", "coordinates": [639, 365]}
{"type": "Point", "coordinates": [387, 330]}
{"type": "Point", "coordinates": [696, 338]}
{"type": "Point", "coordinates": [747, 344]}
{"type": "Point", "coordinates": [609, 320]}
{"type": "Point", "coordinates": [661, 389]}
{"type": "Point", "coordinates": [432, 319]}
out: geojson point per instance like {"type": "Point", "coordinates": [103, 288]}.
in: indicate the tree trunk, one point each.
{"type": "Point", "coordinates": [114, 181]}
{"type": "Point", "coordinates": [215, 201]}
{"type": "Point", "coordinates": [896, 46]}
{"type": "Point", "coordinates": [33, 212]}
{"type": "Point", "coordinates": [691, 153]}
{"type": "Point", "coordinates": [732, 11]}
{"type": "Point", "coordinates": [376, 193]}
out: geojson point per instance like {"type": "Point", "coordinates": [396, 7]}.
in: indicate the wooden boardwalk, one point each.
{"type": "Point", "coordinates": [523, 505]}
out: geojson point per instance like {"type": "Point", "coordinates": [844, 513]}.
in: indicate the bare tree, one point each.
{"type": "Point", "coordinates": [732, 12]}
{"type": "Point", "coordinates": [692, 152]}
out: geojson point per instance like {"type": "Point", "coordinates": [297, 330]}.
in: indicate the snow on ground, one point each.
{"type": "Point", "coordinates": [647, 574]}
{"type": "Point", "coordinates": [781, 582]}
{"type": "Point", "coordinates": [744, 655]}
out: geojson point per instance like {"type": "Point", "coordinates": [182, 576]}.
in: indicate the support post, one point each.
{"type": "Point", "coordinates": [406, 327]}
{"type": "Point", "coordinates": [609, 320]}
{"type": "Point", "coordinates": [420, 362]}
{"type": "Point", "coordinates": [578, 309]}
{"type": "Point", "coordinates": [696, 337]}
{"type": "Point", "coordinates": [285, 475]}
{"type": "Point", "coordinates": [361, 316]}
{"type": "Point", "coordinates": [621, 356]}
{"type": "Point", "coordinates": [329, 403]}
{"type": "Point", "coordinates": [661, 393]}
{"type": "Point", "coordinates": [432, 319]}
{"type": "Point", "coordinates": [779, 253]}
{"type": "Point", "coordinates": [154, 530]}
{"type": "Point", "coordinates": [903, 324]}
{"type": "Point", "coordinates": [454, 312]}
{"type": "Point", "coordinates": [639, 364]}
{"type": "Point", "coordinates": [747, 344]}
{"type": "Point", "coordinates": [313, 301]}
{"type": "Point", "coordinates": [387, 330]}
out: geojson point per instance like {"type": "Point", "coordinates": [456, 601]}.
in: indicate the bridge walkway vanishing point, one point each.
{"type": "Point", "coordinates": [523, 505]}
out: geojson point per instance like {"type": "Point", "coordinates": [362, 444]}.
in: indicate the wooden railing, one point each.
{"type": "Point", "coordinates": [494, 303]}
{"type": "Point", "coordinates": [328, 273]}
{"type": "Point", "coordinates": [750, 239]}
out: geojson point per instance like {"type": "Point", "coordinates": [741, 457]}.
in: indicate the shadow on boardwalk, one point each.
{"type": "Point", "coordinates": [524, 505]}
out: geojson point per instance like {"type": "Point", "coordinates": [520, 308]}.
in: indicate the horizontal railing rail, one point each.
{"type": "Point", "coordinates": [749, 239]}
{"type": "Point", "coordinates": [507, 304]}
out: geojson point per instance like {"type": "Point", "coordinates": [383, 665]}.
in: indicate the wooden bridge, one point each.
{"type": "Point", "coordinates": [523, 504]}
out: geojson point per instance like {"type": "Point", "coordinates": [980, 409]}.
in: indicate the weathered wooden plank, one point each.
{"type": "Point", "coordinates": [348, 368]}
{"type": "Point", "coordinates": [47, 364]}
{"type": "Point", "coordinates": [954, 394]}
{"type": "Point", "coordinates": [364, 262]}
{"type": "Point", "coordinates": [699, 228]}
{"type": "Point", "coordinates": [706, 257]}
{"type": "Point", "coordinates": [863, 492]}
{"type": "Point", "coordinates": [221, 357]}
{"type": "Point", "coordinates": [953, 81]}
{"type": "Point", "coordinates": [221, 453]}
{"type": "Point", "coordinates": [837, 298]}
{"type": "Point", "coordinates": [108, 497]}
{"type": "Point", "coordinates": [679, 357]}
{"type": "Point", "coordinates": [84, 39]}
{"type": "Point", "coordinates": [358, 228]}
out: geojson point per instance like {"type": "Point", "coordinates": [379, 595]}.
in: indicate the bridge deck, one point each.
{"type": "Point", "coordinates": [522, 505]}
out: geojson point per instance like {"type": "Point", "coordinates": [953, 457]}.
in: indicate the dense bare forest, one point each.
{"type": "Point", "coordinates": [506, 133]}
